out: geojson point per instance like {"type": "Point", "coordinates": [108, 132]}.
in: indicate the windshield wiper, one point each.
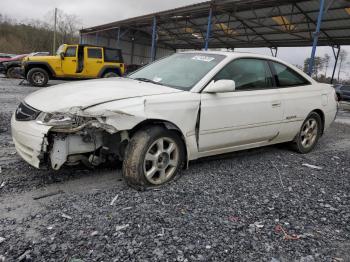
{"type": "Point", "coordinates": [147, 80]}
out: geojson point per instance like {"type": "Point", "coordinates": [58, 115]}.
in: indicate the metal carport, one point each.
{"type": "Point", "coordinates": [230, 24]}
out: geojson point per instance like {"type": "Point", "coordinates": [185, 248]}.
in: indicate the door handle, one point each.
{"type": "Point", "coordinates": [276, 104]}
{"type": "Point", "coordinates": [74, 60]}
{"type": "Point", "coordinates": [98, 62]}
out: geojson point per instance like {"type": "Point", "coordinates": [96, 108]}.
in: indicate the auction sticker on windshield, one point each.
{"type": "Point", "coordinates": [203, 58]}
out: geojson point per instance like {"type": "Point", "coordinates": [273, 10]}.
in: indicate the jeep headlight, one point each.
{"type": "Point", "coordinates": [57, 119]}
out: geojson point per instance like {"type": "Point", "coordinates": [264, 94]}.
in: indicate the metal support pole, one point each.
{"type": "Point", "coordinates": [96, 38]}
{"type": "Point", "coordinates": [316, 35]}
{"type": "Point", "coordinates": [336, 56]}
{"type": "Point", "coordinates": [207, 37]}
{"type": "Point", "coordinates": [54, 33]}
{"type": "Point", "coordinates": [154, 36]}
{"type": "Point", "coordinates": [132, 50]}
{"type": "Point", "coordinates": [118, 37]}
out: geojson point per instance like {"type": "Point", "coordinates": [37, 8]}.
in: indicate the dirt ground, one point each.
{"type": "Point", "coordinates": [267, 204]}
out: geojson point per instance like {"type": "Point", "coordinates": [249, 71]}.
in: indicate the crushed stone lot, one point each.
{"type": "Point", "coordinates": [266, 204]}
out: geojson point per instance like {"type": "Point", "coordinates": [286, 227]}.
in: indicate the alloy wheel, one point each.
{"type": "Point", "coordinates": [309, 132]}
{"type": "Point", "coordinates": [161, 161]}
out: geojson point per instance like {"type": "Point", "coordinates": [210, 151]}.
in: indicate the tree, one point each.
{"type": "Point", "coordinates": [318, 66]}
{"type": "Point", "coordinates": [326, 60]}
{"type": "Point", "coordinates": [34, 35]}
{"type": "Point", "coordinates": [342, 58]}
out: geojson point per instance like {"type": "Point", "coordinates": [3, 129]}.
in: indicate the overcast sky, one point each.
{"type": "Point", "coordinates": [92, 12]}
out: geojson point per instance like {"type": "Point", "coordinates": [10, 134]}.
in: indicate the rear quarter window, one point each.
{"type": "Point", "coordinates": [287, 77]}
{"type": "Point", "coordinates": [113, 55]}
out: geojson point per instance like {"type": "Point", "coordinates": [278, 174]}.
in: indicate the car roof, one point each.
{"type": "Point", "coordinates": [235, 54]}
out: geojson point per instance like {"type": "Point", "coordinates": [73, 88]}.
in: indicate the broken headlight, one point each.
{"type": "Point", "coordinates": [58, 119]}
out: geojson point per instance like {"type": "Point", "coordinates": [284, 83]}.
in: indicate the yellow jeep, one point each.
{"type": "Point", "coordinates": [74, 62]}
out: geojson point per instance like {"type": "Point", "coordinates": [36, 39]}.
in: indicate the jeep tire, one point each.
{"type": "Point", "coordinates": [38, 77]}
{"type": "Point", "coordinates": [110, 74]}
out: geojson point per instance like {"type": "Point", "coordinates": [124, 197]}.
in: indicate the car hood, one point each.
{"type": "Point", "coordinates": [92, 92]}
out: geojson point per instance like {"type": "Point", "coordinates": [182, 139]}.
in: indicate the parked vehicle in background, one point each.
{"type": "Point", "coordinates": [8, 66]}
{"type": "Point", "coordinates": [5, 56]}
{"type": "Point", "coordinates": [182, 107]}
{"type": "Point", "coordinates": [12, 68]}
{"type": "Point", "coordinates": [343, 92]}
{"type": "Point", "coordinates": [74, 62]}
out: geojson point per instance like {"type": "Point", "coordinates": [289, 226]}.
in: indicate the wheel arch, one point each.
{"type": "Point", "coordinates": [322, 116]}
{"type": "Point", "coordinates": [164, 123]}
{"type": "Point", "coordinates": [41, 65]}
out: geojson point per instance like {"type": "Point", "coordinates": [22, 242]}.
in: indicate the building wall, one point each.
{"type": "Point", "coordinates": [142, 53]}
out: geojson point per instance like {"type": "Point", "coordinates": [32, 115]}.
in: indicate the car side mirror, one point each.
{"type": "Point", "coordinates": [62, 55]}
{"type": "Point", "coordinates": [220, 86]}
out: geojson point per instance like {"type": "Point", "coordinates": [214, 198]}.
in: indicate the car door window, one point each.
{"type": "Point", "coordinates": [286, 77]}
{"type": "Point", "coordinates": [345, 88]}
{"type": "Point", "coordinates": [71, 51]}
{"type": "Point", "coordinates": [95, 53]}
{"type": "Point", "coordinates": [248, 74]}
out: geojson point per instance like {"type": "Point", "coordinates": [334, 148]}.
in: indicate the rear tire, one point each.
{"type": "Point", "coordinates": [38, 77]}
{"type": "Point", "coordinates": [110, 74]}
{"type": "Point", "coordinates": [309, 134]}
{"type": "Point", "coordinates": [153, 157]}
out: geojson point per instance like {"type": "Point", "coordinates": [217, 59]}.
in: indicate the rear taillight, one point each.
{"type": "Point", "coordinates": [336, 97]}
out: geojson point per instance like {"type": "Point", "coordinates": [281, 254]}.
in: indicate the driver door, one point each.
{"type": "Point", "coordinates": [69, 63]}
{"type": "Point", "coordinates": [250, 115]}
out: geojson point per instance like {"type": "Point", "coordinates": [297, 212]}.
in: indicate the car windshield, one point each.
{"type": "Point", "coordinates": [60, 50]}
{"type": "Point", "coordinates": [180, 71]}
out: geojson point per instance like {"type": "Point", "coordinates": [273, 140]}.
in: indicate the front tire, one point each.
{"type": "Point", "coordinates": [11, 72]}
{"type": "Point", "coordinates": [309, 134]}
{"type": "Point", "coordinates": [153, 157]}
{"type": "Point", "coordinates": [38, 77]}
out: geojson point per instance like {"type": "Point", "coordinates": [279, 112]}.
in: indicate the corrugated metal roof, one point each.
{"type": "Point", "coordinates": [238, 23]}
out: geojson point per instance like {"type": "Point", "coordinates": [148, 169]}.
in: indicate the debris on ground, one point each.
{"type": "Point", "coordinates": [2, 239]}
{"type": "Point", "coordinates": [312, 166]}
{"type": "Point", "coordinates": [113, 200]}
{"type": "Point", "coordinates": [49, 194]}
{"type": "Point", "coordinates": [25, 256]}
{"type": "Point", "coordinates": [286, 236]}
{"type": "Point", "coordinates": [2, 184]}
{"type": "Point", "coordinates": [118, 228]}
{"type": "Point", "coordinates": [94, 233]}
{"type": "Point", "coordinates": [66, 216]}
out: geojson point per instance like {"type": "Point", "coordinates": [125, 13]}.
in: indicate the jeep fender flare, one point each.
{"type": "Point", "coordinates": [44, 65]}
{"type": "Point", "coordinates": [109, 68]}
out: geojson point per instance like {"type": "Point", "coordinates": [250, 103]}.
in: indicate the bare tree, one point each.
{"type": "Point", "coordinates": [342, 58]}
{"type": "Point", "coordinates": [326, 60]}
{"type": "Point", "coordinates": [67, 27]}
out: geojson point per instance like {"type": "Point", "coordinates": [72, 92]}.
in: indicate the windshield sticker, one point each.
{"type": "Point", "coordinates": [157, 79]}
{"type": "Point", "coordinates": [203, 58]}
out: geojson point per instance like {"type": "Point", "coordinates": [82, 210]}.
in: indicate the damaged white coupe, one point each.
{"type": "Point", "coordinates": [180, 108]}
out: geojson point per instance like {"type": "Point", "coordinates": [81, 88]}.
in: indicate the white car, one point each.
{"type": "Point", "coordinates": [180, 108]}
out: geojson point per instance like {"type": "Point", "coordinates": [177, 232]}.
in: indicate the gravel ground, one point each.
{"type": "Point", "coordinates": [257, 205]}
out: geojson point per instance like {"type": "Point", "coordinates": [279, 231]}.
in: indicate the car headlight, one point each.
{"type": "Point", "coordinates": [56, 119]}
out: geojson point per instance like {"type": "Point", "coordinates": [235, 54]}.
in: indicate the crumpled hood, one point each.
{"type": "Point", "coordinates": [91, 92]}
